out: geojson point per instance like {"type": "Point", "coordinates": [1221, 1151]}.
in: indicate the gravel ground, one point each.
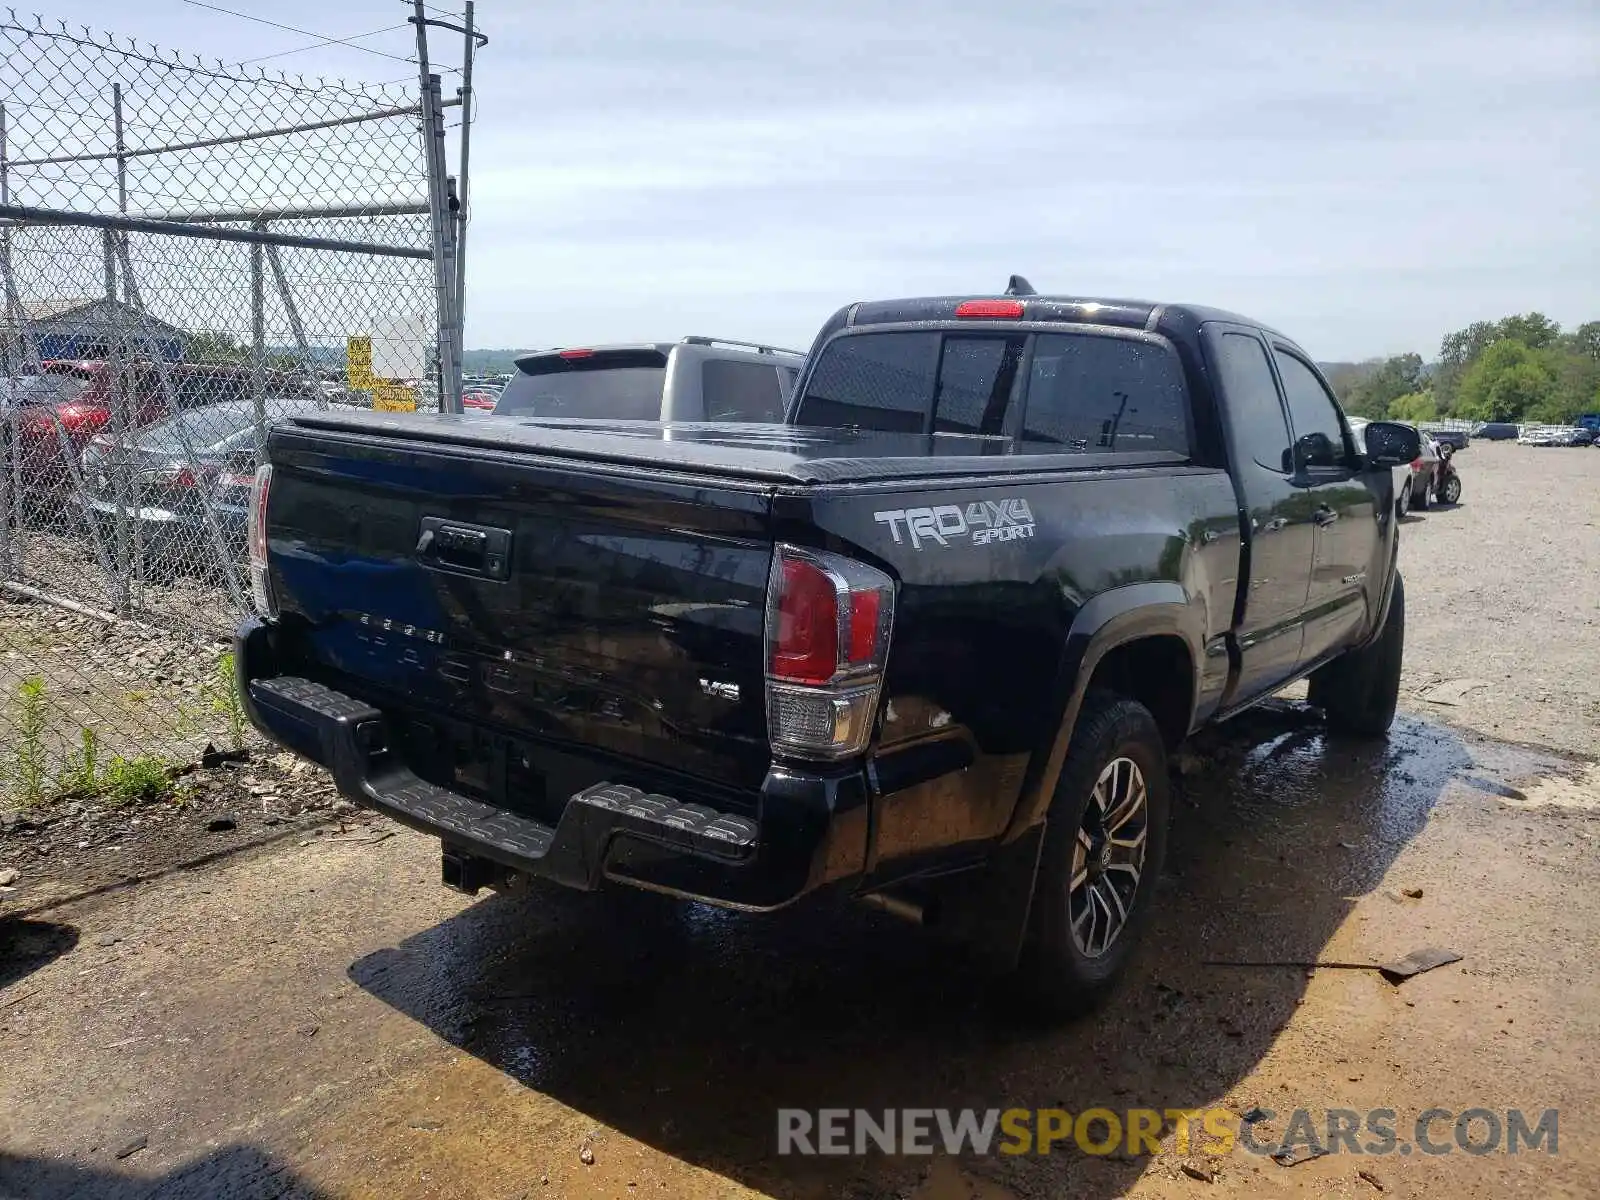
{"type": "Point", "coordinates": [1503, 598]}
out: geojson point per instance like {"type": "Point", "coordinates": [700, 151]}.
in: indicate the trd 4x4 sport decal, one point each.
{"type": "Point", "coordinates": [982, 521]}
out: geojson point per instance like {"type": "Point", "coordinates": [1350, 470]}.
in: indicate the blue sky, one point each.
{"type": "Point", "coordinates": [1366, 177]}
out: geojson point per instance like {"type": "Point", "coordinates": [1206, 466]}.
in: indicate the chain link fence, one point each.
{"type": "Point", "coordinates": [188, 253]}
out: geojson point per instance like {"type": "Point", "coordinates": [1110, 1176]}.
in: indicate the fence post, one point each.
{"type": "Point", "coordinates": [122, 157]}
{"type": "Point", "coordinates": [441, 218]}
{"type": "Point", "coordinates": [459, 312]}
{"type": "Point", "coordinates": [258, 341]}
{"type": "Point", "coordinates": [122, 461]}
{"type": "Point", "coordinates": [13, 326]}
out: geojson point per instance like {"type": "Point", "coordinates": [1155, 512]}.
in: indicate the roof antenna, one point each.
{"type": "Point", "coordinates": [1020, 287]}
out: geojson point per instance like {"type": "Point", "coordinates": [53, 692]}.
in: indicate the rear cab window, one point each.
{"type": "Point", "coordinates": [1075, 392]}
{"type": "Point", "coordinates": [737, 390]}
{"type": "Point", "coordinates": [623, 385]}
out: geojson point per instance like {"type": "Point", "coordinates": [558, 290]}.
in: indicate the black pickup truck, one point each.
{"type": "Point", "coordinates": [928, 643]}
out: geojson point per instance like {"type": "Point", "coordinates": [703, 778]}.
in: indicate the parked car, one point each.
{"type": "Point", "coordinates": [1497, 431]}
{"type": "Point", "coordinates": [697, 379]}
{"type": "Point", "coordinates": [1555, 435]}
{"type": "Point", "coordinates": [931, 643]}
{"type": "Point", "coordinates": [481, 399]}
{"type": "Point", "coordinates": [1424, 472]}
{"type": "Point", "coordinates": [19, 391]}
{"type": "Point", "coordinates": [81, 408]}
{"type": "Point", "coordinates": [173, 471]}
{"type": "Point", "coordinates": [1447, 440]}
{"type": "Point", "coordinates": [1403, 487]}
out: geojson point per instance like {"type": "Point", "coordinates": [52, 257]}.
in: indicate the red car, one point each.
{"type": "Point", "coordinates": [78, 396]}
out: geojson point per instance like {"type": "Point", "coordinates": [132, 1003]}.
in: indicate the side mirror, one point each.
{"type": "Point", "coordinates": [1315, 450]}
{"type": "Point", "coordinates": [1391, 444]}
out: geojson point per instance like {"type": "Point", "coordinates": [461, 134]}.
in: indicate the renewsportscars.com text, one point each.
{"type": "Point", "coordinates": [1218, 1131]}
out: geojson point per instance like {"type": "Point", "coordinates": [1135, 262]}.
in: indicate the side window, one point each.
{"type": "Point", "coordinates": [740, 391]}
{"type": "Point", "coordinates": [1313, 413]}
{"type": "Point", "coordinates": [1093, 394]}
{"type": "Point", "coordinates": [876, 381]}
{"type": "Point", "coordinates": [977, 376]}
{"type": "Point", "coordinates": [1252, 393]}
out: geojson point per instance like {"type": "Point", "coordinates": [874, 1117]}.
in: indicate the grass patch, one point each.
{"type": "Point", "coordinates": [136, 780]}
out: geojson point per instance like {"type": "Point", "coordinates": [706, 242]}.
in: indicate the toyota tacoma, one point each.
{"type": "Point", "coordinates": [928, 642]}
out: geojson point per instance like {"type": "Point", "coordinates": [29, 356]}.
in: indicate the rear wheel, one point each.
{"type": "Point", "coordinates": [1419, 493]}
{"type": "Point", "coordinates": [1450, 490]}
{"type": "Point", "coordinates": [1358, 691]}
{"type": "Point", "coordinates": [1104, 845]}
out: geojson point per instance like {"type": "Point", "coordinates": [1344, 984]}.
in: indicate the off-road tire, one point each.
{"type": "Point", "coordinates": [1359, 690]}
{"type": "Point", "coordinates": [1058, 980]}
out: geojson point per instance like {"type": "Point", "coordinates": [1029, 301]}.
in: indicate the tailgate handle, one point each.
{"type": "Point", "coordinates": [464, 549]}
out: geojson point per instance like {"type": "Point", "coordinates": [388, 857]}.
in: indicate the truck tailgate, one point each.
{"type": "Point", "coordinates": [609, 607]}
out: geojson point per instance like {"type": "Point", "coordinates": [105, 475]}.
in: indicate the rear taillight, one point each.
{"type": "Point", "coordinates": [260, 584]}
{"type": "Point", "coordinates": [828, 625]}
{"type": "Point", "coordinates": [80, 417]}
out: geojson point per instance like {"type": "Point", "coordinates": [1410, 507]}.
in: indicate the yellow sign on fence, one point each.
{"type": "Point", "coordinates": [388, 396]}
{"type": "Point", "coordinates": [358, 363]}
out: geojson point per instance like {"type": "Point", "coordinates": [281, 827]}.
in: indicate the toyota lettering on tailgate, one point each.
{"type": "Point", "coordinates": [982, 521]}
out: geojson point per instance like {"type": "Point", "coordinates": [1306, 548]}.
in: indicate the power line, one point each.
{"type": "Point", "coordinates": [302, 32]}
{"type": "Point", "coordinates": [349, 41]}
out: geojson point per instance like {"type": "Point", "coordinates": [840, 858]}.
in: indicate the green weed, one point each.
{"type": "Point", "coordinates": [80, 776]}
{"type": "Point", "coordinates": [31, 756]}
{"type": "Point", "coordinates": [225, 700]}
{"type": "Point", "coordinates": [136, 780]}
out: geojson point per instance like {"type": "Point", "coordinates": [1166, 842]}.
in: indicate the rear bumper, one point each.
{"type": "Point", "coordinates": [162, 527]}
{"type": "Point", "coordinates": [807, 831]}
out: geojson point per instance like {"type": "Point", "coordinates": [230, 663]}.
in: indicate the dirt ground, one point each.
{"type": "Point", "coordinates": [314, 1016]}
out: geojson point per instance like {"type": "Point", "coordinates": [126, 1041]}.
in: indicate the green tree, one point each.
{"type": "Point", "coordinates": [1505, 382]}
{"type": "Point", "coordinates": [1534, 330]}
{"type": "Point", "coordinates": [1459, 350]}
{"type": "Point", "coordinates": [1414, 407]}
{"type": "Point", "coordinates": [1585, 340]}
{"type": "Point", "coordinates": [1394, 377]}
{"type": "Point", "coordinates": [1577, 384]}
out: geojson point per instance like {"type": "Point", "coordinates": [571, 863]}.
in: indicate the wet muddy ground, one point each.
{"type": "Point", "coordinates": [317, 1017]}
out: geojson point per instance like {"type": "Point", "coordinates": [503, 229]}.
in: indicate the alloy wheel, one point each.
{"type": "Point", "coordinates": [1108, 857]}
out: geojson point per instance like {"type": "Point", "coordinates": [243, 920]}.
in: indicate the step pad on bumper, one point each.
{"type": "Point", "coordinates": [703, 826]}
